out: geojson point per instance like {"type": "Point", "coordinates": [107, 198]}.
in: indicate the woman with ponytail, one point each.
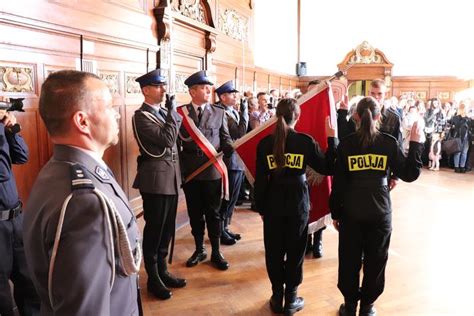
{"type": "Point", "coordinates": [361, 207]}
{"type": "Point", "coordinates": [282, 199]}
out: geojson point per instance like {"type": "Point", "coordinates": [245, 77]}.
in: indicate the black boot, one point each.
{"type": "Point", "coordinates": [227, 230]}
{"type": "Point", "coordinates": [293, 303]}
{"type": "Point", "coordinates": [168, 279]}
{"type": "Point", "coordinates": [199, 254]}
{"type": "Point", "coordinates": [348, 309]}
{"type": "Point", "coordinates": [276, 301]}
{"type": "Point", "coordinates": [318, 244]}
{"type": "Point", "coordinates": [367, 310]}
{"type": "Point", "coordinates": [309, 244]}
{"type": "Point", "coordinates": [457, 170]}
{"type": "Point", "coordinates": [216, 257]}
{"type": "Point", "coordinates": [226, 239]}
{"type": "Point", "coordinates": [154, 284]}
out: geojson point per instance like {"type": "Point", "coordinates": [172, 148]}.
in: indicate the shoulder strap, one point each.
{"type": "Point", "coordinates": [79, 178]}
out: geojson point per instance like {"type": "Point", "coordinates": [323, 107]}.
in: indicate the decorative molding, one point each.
{"type": "Point", "coordinates": [135, 5]}
{"type": "Point", "coordinates": [17, 78]}
{"type": "Point", "coordinates": [111, 79]}
{"type": "Point", "coordinates": [233, 25]}
{"type": "Point", "coordinates": [165, 54]}
{"type": "Point", "coordinates": [179, 85]}
{"type": "Point", "coordinates": [366, 54]}
{"type": "Point", "coordinates": [211, 44]}
{"type": "Point", "coordinates": [51, 69]}
{"type": "Point", "coordinates": [415, 95]}
{"type": "Point", "coordinates": [192, 9]}
{"type": "Point", "coordinates": [444, 95]}
{"type": "Point", "coordinates": [131, 86]}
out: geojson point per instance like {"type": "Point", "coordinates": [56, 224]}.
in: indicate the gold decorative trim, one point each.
{"type": "Point", "coordinates": [233, 25]}
{"type": "Point", "coordinates": [366, 54]}
{"type": "Point", "coordinates": [111, 79]}
{"type": "Point", "coordinates": [179, 85]}
{"type": "Point", "coordinates": [192, 9]}
{"type": "Point", "coordinates": [17, 78]}
{"type": "Point", "coordinates": [131, 86]}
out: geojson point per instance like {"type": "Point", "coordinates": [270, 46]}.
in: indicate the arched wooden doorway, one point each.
{"type": "Point", "coordinates": [364, 64]}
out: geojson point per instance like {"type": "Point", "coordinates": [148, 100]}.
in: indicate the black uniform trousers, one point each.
{"type": "Point", "coordinates": [203, 199]}
{"type": "Point", "coordinates": [373, 240]}
{"type": "Point", "coordinates": [285, 236]}
{"type": "Point", "coordinates": [235, 182]}
{"type": "Point", "coordinates": [13, 267]}
{"type": "Point", "coordinates": [159, 212]}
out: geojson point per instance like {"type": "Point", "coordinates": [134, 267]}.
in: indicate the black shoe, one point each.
{"type": "Point", "coordinates": [171, 281]}
{"type": "Point", "coordinates": [233, 235]}
{"type": "Point", "coordinates": [158, 290]}
{"type": "Point", "coordinates": [318, 244]}
{"type": "Point", "coordinates": [295, 306]}
{"type": "Point", "coordinates": [276, 303]}
{"type": "Point", "coordinates": [227, 240]}
{"type": "Point", "coordinates": [219, 262]}
{"type": "Point", "coordinates": [457, 170]}
{"type": "Point", "coordinates": [198, 256]}
{"type": "Point", "coordinates": [462, 170]}
{"type": "Point", "coordinates": [367, 310]}
{"type": "Point", "coordinates": [309, 244]}
{"type": "Point", "coordinates": [347, 309]}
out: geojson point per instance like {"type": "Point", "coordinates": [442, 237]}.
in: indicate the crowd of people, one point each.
{"type": "Point", "coordinates": [82, 221]}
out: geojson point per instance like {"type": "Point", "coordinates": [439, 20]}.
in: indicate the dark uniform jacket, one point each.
{"type": "Point", "coordinates": [286, 193]}
{"type": "Point", "coordinates": [360, 185]}
{"type": "Point", "coordinates": [214, 127]}
{"type": "Point", "coordinates": [83, 269]}
{"type": "Point", "coordinates": [157, 175]}
{"type": "Point", "coordinates": [237, 128]}
{"type": "Point", "coordinates": [13, 150]}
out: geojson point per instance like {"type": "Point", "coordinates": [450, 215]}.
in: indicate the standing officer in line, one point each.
{"type": "Point", "coordinates": [282, 199]}
{"type": "Point", "coordinates": [237, 123]}
{"type": "Point", "coordinates": [361, 207]}
{"type": "Point", "coordinates": [204, 192]}
{"type": "Point", "coordinates": [13, 150]}
{"type": "Point", "coordinates": [158, 178]}
{"type": "Point", "coordinates": [81, 236]}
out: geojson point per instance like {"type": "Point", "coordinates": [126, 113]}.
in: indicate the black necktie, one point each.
{"type": "Point", "coordinates": [199, 114]}
{"type": "Point", "coordinates": [162, 113]}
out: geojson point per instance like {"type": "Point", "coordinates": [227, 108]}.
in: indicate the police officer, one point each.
{"type": "Point", "coordinates": [282, 198]}
{"type": "Point", "coordinates": [360, 204]}
{"type": "Point", "coordinates": [13, 150]}
{"type": "Point", "coordinates": [203, 193]}
{"type": "Point", "coordinates": [81, 236]}
{"type": "Point", "coordinates": [158, 178]}
{"type": "Point", "coordinates": [237, 123]}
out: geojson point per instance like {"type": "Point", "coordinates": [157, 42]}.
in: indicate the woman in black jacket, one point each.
{"type": "Point", "coordinates": [282, 198]}
{"type": "Point", "coordinates": [361, 207]}
{"type": "Point", "coordinates": [460, 128]}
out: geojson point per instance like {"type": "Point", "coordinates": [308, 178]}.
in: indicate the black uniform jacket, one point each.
{"type": "Point", "coordinates": [214, 127]}
{"type": "Point", "coordinates": [159, 173]}
{"type": "Point", "coordinates": [360, 185]}
{"type": "Point", "coordinates": [286, 193]}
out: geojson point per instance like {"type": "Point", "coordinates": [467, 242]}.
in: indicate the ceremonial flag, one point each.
{"type": "Point", "coordinates": [315, 105]}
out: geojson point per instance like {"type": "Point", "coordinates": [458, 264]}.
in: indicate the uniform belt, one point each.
{"type": "Point", "coordinates": [290, 179]}
{"type": "Point", "coordinates": [379, 182]}
{"type": "Point", "coordinates": [168, 156]}
{"type": "Point", "coordinates": [7, 215]}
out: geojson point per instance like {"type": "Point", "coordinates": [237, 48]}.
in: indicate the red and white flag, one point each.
{"type": "Point", "coordinates": [315, 105]}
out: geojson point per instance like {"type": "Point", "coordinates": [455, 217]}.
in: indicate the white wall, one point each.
{"type": "Point", "coordinates": [276, 35]}
{"type": "Point", "coordinates": [420, 37]}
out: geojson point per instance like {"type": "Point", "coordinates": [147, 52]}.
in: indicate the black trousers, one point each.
{"type": "Point", "coordinates": [159, 212]}
{"type": "Point", "coordinates": [13, 267]}
{"type": "Point", "coordinates": [373, 239]}
{"type": "Point", "coordinates": [203, 199]}
{"type": "Point", "coordinates": [285, 236]}
{"type": "Point", "coordinates": [235, 182]}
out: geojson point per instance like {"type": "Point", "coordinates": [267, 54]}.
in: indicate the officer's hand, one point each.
{"type": "Point", "coordinates": [330, 129]}
{"type": "Point", "coordinates": [392, 184]}
{"type": "Point", "coordinates": [9, 120]}
{"type": "Point", "coordinates": [416, 133]}
{"type": "Point", "coordinates": [335, 223]}
{"type": "Point", "coordinates": [243, 105]}
{"type": "Point", "coordinates": [170, 103]}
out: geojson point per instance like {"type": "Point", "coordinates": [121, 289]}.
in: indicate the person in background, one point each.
{"type": "Point", "coordinates": [13, 150]}
{"type": "Point", "coordinates": [360, 204]}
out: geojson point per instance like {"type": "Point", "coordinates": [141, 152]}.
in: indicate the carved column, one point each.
{"type": "Point", "coordinates": [162, 13]}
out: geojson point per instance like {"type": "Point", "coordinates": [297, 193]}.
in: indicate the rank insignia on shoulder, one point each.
{"type": "Point", "coordinates": [79, 178]}
{"type": "Point", "coordinates": [102, 173]}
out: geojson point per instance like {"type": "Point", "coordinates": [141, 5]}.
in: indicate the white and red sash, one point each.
{"type": "Point", "coordinates": [206, 147]}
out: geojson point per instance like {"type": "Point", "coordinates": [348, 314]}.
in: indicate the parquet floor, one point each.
{"type": "Point", "coordinates": [430, 269]}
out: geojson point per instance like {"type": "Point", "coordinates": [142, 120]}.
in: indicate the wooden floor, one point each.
{"type": "Point", "coordinates": [430, 269]}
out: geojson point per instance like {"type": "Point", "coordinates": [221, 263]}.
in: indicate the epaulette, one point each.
{"type": "Point", "coordinates": [219, 105]}
{"type": "Point", "coordinates": [79, 178]}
